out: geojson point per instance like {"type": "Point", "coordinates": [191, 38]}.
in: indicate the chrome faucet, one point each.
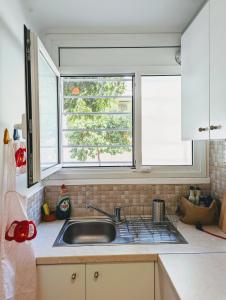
{"type": "Point", "coordinates": [116, 217]}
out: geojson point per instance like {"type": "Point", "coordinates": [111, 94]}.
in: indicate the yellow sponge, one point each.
{"type": "Point", "coordinates": [45, 208]}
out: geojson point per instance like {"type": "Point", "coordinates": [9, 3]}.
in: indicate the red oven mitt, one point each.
{"type": "Point", "coordinates": [21, 231]}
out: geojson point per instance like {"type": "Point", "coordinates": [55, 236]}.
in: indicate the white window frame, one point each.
{"type": "Point", "coordinates": [36, 48]}
{"type": "Point", "coordinates": [61, 115]}
{"type": "Point", "coordinates": [163, 170]}
{"type": "Point", "coordinates": [196, 173]}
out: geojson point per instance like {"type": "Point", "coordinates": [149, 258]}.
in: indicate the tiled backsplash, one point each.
{"type": "Point", "coordinates": [218, 168]}
{"type": "Point", "coordinates": [108, 196]}
{"type": "Point", "coordinates": [34, 206]}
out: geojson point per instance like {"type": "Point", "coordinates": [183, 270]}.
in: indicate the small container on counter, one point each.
{"type": "Point", "coordinates": [158, 210]}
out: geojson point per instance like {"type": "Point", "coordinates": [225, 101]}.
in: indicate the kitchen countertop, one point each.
{"type": "Point", "coordinates": [197, 276]}
{"type": "Point", "coordinates": [197, 270]}
{"type": "Point", "coordinates": [198, 242]}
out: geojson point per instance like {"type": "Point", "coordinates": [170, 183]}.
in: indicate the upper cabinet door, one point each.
{"type": "Point", "coordinates": [42, 95]}
{"type": "Point", "coordinates": [218, 69]}
{"type": "Point", "coordinates": [195, 78]}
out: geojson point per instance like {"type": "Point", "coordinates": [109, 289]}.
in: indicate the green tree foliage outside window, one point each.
{"type": "Point", "coordinates": [103, 133]}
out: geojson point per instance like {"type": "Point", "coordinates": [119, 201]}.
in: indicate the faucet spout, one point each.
{"type": "Point", "coordinates": [116, 217]}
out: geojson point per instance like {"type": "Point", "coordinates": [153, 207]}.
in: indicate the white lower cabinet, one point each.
{"type": "Point", "coordinates": [164, 290]}
{"type": "Point", "coordinates": [121, 281]}
{"type": "Point", "coordinates": [61, 282]}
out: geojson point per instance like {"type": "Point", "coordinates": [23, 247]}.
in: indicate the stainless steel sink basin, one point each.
{"type": "Point", "coordinates": [94, 231]}
{"type": "Point", "coordinates": [88, 232]}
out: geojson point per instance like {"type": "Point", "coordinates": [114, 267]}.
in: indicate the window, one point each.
{"type": "Point", "coordinates": [42, 114]}
{"type": "Point", "coordinates": [161, 122]}
{"type": "Point", "coordinates": [109, 126]}
{"type": "Point", "coordinates": [48, 111]}
{"type": "Point", "coordinates": [97, 121]}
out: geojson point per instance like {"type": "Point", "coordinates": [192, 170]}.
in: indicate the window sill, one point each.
{"type": "Point", "coordinates": [73, 177]}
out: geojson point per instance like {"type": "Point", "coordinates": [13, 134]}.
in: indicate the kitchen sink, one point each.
{"type": "Point", "coordinates": [98, 231]}
{"type": "Point", "coordinates": [89, 231]}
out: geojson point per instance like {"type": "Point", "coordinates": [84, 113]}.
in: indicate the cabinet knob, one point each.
{"type": "Point", "coordinates": [202, 129]}
{"type": "Point", "coordinates": [73, 276]}
{"type": "Point", "coordinates": [96, 275]}
{"type": "Point", "coordinates": [212, 127]}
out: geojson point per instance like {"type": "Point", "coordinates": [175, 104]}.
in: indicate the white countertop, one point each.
{"type": "Point", "coordinates": [198, 242]}
{"type": "Point", "coordinates": [197, 276]}
{"type": "Point", "coordinates": [197, 270]}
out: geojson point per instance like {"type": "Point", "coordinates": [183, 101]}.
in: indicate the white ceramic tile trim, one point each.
{"type": "Point", "coordinates": [34, 206]}
{"type": "Point", "coordinates": [56, 182]}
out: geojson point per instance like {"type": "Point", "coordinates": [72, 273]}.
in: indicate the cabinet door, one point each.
{"type": "Point", "coordinates": [218, 69]}
{"type": "Point", "coordinates": [195, 78]}
{"type": "Point", "coordinates": [58, 282]}
{"type": "Point", "coordinates": [165, 289]}
{"type": "Point", "coordinates": [121, 281]}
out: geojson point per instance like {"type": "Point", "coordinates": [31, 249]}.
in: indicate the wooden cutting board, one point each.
{"type": "Point", "coordinates": [222, 221]}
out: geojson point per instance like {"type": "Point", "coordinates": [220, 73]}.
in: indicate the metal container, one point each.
{"type": "Point", "coordinates": [158, 210]}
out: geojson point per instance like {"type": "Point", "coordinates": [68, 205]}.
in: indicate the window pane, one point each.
{"type": "Point", "coordinates": [86, 121]}
{"type": "Point", "coordinates": [105, 105]}
{"type": "Point", "coordinates": [87, 156]}
{"type": "Point", "coordinates": [48, 115]}
{"type": "Point", "coordinates": [97, 121]}
{"type": "Point", "coordinates": [161, 122]}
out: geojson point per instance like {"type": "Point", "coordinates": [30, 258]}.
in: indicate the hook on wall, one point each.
{"type": "Point", "coordinates": [6, 136]}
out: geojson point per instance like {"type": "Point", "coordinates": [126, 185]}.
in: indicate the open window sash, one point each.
{"type": "Point", "coordinates": [42, 103]}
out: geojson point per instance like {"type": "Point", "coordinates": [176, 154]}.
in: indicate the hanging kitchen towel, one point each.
{"type": "Point", "coordinates": [17, 265]}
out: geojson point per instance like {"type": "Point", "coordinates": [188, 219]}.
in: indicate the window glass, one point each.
{"type": "Point", "coordinates": [161, 122]}
{"type": "Point", "coordinates": [48, 111]}
{"type": "Point", "coordinates": [97, 121]}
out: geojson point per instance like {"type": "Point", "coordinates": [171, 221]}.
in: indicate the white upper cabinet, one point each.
{"type": "Point", "coordinates": [203, 74]}
{"type": "Point", "coordinates": [218, 69]}
{"type": "Point", "coordinates": [195, 78]}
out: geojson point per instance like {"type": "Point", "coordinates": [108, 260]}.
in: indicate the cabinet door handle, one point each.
{"type": "Point", "coordinates": [212, 127]}
{"type": "Point", "coordinates": [202, 129]}
{"type": "Point", "coordinates": [96, 275]}
{"type": "Point", "coordinates": [73, 276]}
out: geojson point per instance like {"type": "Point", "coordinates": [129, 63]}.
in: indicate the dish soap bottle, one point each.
{"type": "Point", "coordinates": [63, 207]}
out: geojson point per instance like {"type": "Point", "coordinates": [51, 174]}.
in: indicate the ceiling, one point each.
{"type": "Point", "coordinates": [112, 16]}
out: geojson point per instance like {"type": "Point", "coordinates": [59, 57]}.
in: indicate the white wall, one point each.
{"type": "Point", "coordinates": [12, 78]}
